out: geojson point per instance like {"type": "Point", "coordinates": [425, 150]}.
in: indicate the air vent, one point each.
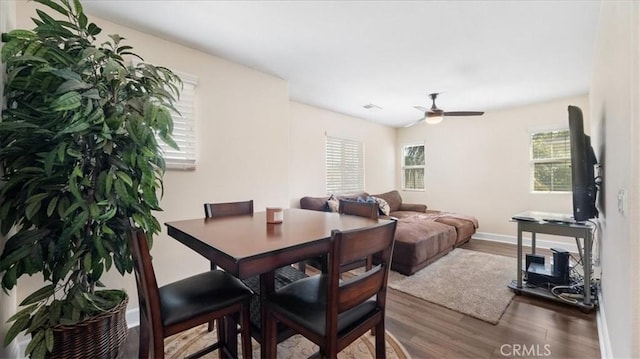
{"type": "Point", "coordinates": [372, 107]}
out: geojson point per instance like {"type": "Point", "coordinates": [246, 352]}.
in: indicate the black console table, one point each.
{"type": "Point", "coordinates": [554, 224]}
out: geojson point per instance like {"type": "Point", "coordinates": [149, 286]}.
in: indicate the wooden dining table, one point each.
{"type": "Point", "coordinates": [246, 245]}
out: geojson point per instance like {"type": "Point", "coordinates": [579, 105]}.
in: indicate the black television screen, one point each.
{"type": "Point", "coordinates": [583, 160]}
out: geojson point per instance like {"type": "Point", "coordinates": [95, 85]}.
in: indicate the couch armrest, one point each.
{"type": "Point", "coordinates": [412, 207]}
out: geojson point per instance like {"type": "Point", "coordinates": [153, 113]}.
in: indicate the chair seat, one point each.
{"type": "Point", "coordinates": [305, 302]}
{"type": "Point", "coordinates": [194, 296]}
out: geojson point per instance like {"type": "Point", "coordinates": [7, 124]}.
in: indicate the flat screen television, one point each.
{"type": "Point", "coordinates": [583, 160]}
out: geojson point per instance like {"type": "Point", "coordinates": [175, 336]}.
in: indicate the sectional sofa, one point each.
{"type": "Point", "coordinates": [422, 235]}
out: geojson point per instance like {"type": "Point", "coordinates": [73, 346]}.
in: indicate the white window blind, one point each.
{"type": "Point", "coordinates": [184, 133]}
{"type": "Point", "coordinates": [551, 161]}
{"type": "Point", "coordinates": [345, 165]}
{"type": "Point", "coordinates": [413, 164]}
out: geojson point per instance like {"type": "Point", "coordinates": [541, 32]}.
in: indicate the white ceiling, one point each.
{"type": "Point", "coordinates": [342, 55]}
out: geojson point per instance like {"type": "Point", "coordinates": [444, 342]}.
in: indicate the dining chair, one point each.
{"type": "Point", "coordinates": [185, 304]}
{"type": "Point", "coordinates": [362, 209]}
{"type": "Point", "coordinates": [282, 276]}
{"type": "Point", "coordinates": [333, 313]}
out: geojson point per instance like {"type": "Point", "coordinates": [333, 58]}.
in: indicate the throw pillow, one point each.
{"type": "Point", "coordinates": [383, 205]}
{"type": "Point", "coordinates": [333, 203]}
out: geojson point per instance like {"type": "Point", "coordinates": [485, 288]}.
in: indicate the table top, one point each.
{"type": "Point", "coordinates": [231, 240]}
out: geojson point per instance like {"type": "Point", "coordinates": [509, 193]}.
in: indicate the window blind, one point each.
{"type": "Point", "coordinates": [183, 128]}
{"type": "Point", "coordinates": [344, 165]}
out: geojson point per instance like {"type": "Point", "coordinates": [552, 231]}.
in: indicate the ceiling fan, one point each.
{"type": "Point", "coordinates": [434, 115]}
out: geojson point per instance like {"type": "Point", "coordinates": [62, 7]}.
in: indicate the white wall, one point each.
{"type": "Point", "coordinates": [480, 165]}
{"type": "Point", "coordinates": [7, 301]}
{"type": "Point", "coordinates": [309, 127]}
{"type": "Point", "coordinates": [615, 124]}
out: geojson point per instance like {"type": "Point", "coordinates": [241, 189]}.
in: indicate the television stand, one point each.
{"type": "Point", "coordinates": [534, 223]}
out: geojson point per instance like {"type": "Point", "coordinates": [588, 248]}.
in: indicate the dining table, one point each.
{"type": "Point", "coordinates": [246, 245]}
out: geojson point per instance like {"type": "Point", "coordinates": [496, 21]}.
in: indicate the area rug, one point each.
{"type": "Point", "coordinates": [296, 347]}
{"type": "Point", "coordinates": [470, 282]}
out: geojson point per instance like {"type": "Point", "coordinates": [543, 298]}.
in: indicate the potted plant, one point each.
{"type": "Point", "coordinates": [80, 163]}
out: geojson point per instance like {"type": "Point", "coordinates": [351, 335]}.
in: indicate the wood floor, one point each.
{"type": "Point", "coordinates": [530, 327]}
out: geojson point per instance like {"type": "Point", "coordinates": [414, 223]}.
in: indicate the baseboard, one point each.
{"type": "Point", "coordinates": [606, 351]}
{"type": "Point", "coordinates": [540, 243]}
{"type": "Point", "coordinates": [133, 318]}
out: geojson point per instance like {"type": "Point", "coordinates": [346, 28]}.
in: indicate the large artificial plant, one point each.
{"type": "Point", "coordinates": [80, 163]}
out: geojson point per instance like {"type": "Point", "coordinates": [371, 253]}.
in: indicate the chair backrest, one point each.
{"type": "Point", "coordinates": [362, 209]}
{"type": "Point", "coordinates": [212, 210]}
{"type": "Point", "coordinates": [347, 246]}
{"type": "Point", "coordinates": [148, 296]}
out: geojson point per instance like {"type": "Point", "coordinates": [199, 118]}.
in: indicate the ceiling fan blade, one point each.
{"type": "Point", "coordinates": [463, 113]}
{"type": "Point", "coordinates": [415, 123]}
{"type": "Point", "coordinates": [421, 109]}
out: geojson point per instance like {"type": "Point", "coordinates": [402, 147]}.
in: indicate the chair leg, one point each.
{"type": "Point", "coordinates": [143, 337]}
{"type": "Point", "coordinates": [245, 332]}
{"type": "Point", "coordinates": [381, 350]}
{"type": "Point", "coordinates": [220, 328]}
{"type": "Point", "coordinates": [210, 327]}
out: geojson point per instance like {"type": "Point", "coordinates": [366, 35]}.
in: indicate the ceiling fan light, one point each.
{"type": "Point", "coordinates": [434, 120]}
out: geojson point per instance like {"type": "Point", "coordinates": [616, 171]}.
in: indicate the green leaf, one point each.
{"type": "Point", "coordinates": [13, 257]}
{"type": "Point", "coordinates": [125, 178]}
{"type": "Point", "coordinates": [48, 339]}
{"type": "Point", "coordinates": [52, 206]}
{"type": "Point", "coordinates": [37, 197]}
{"type": "Point", "coordinates": [38, 295]}
{"type": "Point", "coordinates": [72, 85]}
{"type": "Point", "coordinates": [54, 6]}
{"type": "Point", "coordinates": [21, 324]}
{"type": "Point", "coordinates": [32, 209]}
{"type": "Point", "coordinates": [24, 312]}
{"type": "Point", "coordinates": [68, 101]}
{"type": "Point", "coordinates": [76, 127]}
{"type": "Point", "coordinates": [36, 340]}
{"type": "Point", "coordinates": [93, 29]}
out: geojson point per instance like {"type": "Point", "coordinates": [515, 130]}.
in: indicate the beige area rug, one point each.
{"type": "Point", "coordinates": [470, 282]}
{"type": "Point", "coordinates": [296, 347]}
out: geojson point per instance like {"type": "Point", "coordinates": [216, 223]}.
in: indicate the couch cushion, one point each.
{"type": "Point", "coordinates": [419, 239]}
{"type": "Point", "coordinates": [393, 198]}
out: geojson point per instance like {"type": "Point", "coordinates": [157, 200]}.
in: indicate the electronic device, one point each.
{"type": "Point", "coordinates": [583, 160]}
{"type": "Point", "coordinates": [557, 274]}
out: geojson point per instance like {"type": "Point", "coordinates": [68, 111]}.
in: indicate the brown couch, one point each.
{"type": "Point", "coordinates": [422, 235]}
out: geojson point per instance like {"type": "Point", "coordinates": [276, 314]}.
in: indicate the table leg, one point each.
{"type": "Point", "coordinates": [586, 267]}
{"type": "Point", "coordinates": [268, 347]}
{"type": "Point", "coordinates": [519, 256]}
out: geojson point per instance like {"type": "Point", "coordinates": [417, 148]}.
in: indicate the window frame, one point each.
{"type": "Point", "coordinates": [344, 170]}
{"type": "Point", "coordinates": [405, 167]}
{"type": "Point", "coordinates": [532, 161]}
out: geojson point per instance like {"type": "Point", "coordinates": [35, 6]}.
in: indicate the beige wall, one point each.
{"type": "Point", "coordinates": [615, 125]}
{"type": "Point", "coordinates": [309, 128]}
{"type": "Point", "coordinates": [480, 165]}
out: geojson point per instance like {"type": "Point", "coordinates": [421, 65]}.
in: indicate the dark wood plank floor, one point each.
{"type": "Point", "coordinates": [530, 327]}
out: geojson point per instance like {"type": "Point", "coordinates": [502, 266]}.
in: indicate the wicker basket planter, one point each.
{"type": "Point", "coordinates": [102, 336]}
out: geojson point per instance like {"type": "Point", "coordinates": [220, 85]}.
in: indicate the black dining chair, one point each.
{"type": "Point", "coordinates": [283, 276]}
{"type": "Point", "coordinates": [185, 304]}
{"type": "Point", "coordinates": [354, 208]}
{"type": "Point", "coordinates": [333, 313]}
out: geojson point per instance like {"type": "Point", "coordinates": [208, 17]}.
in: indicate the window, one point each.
{"type": "Point", "coordinates": [183, 128]}
{"type": "Point", "coordinates": [413, 167]}
{"type": "Point", "coordinates": [551, 161]}
{"type": "Point", "coordinates": [345, 165]}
